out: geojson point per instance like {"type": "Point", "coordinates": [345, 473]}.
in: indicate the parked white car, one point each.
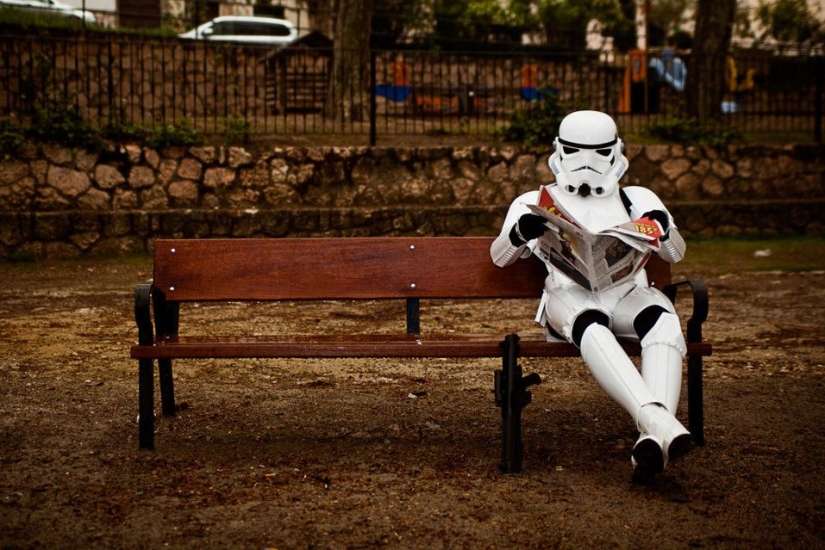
{"type": "Point", "coordinates": [49, 6]}
{"type": "Point", "coordinates": [245, 30]}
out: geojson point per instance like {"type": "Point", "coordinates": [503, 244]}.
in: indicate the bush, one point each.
{"type": "Point", "coordinates": [11, 138]}
{"type": "Point", "coordinates": [690, 132]}
{"type": "Point", "coordinates": [61, 122]}
{"type": "Point", "coordinates": [37, 21]}
{"type": "Point", "coordinates": [538, 124]}
{"type": "Point", "coordinates": [237, 131]}
{"type": "Point", "coordinates": [177, 134]}
{"type": "Point", "coordinates": [125, 132]}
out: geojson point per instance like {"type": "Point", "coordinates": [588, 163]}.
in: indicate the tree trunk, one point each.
{"type": "Point", "coordinates": [348, 97]}
{"type": "Point", "coordinates": [706, 72]}
{"type": "Point", "coordinates": [321, 15]}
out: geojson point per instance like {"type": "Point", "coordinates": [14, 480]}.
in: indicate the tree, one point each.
{"type": "Point", "coordinates": [463, 24]}
{"type": "Point", "coordinates": [321, 15]}
{"type": "Point", "coordinates": [562, 24]}
{"type": "Point", "coordinates": [667, 16]}
{"type": "Point", "coordinates": [623, 31]}
{"type": "Point", "coordinates": [565, 21]}
{"type": "Point", "coordinates": [706, 70]}
{"type": "Point", "coordinates": [394, 21]}
{"type": "Point", "coordinates": [349, 24]}
{"type": "Point", "coordinates": [348, 98]}
{"type": "Point", "coordinates": [789, 22]}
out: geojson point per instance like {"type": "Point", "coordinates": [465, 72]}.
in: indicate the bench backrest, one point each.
{"type": "Point", "coordinates": [343, 268]}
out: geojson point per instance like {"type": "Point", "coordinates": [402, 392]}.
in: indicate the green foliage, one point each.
{"type": "Point", "coordinates": [11, 138]}
{"type": "Point", "coordinates": [790, 22]}
{"type": "Point", "coordinates": [179, 133]}
{"type": "Point", "coordinates": [392, 20]}
{"type": "Point", "coordinates": [237, 131]}
{"type": "Point", "coordinates": [43, 19]}
{"type": "Point", "coordinates": [538, 124]}
{"type": "Point", "coordinates": [125, 132]}
{"type": "Point", "coordinates": [460, 24]}
{"type": "Point", "coordinates": [668, 16]}
{"type": "Point", "coordinates": [565, 21]}
{"type": "Point", "coordinates": [61, 121]}
{"type": "Point", "coordinates": [690, 132]}
{"type": "Point", "coordinates": [623, 29]}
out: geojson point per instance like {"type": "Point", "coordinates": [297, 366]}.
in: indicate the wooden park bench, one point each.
{"type": "Point", "coordinates": [393, 268]}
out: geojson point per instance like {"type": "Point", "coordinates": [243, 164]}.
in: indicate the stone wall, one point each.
{"type": "Point", "coordinates": [57, 202]}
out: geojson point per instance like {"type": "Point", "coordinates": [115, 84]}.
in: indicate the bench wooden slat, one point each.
{"type": "Point", "coordinates": [395, 345]}
{"type": "Point", "coordinates": [356, 268]}
{"type": "Point", "coordinates": [362, 345]}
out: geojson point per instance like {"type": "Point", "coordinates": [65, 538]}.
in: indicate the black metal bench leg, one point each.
{"type": "Point", "coordinates": [167, 317]}
{"type": "Point", "coordinates": [146, 398]}
{"type": "Point", "coordinates": [167, 386]}
{"type": "Point", "coordinates": [512, 396]}
{"type": "Point", "coordinates": [696, 413]}
{"type": "Point", "coordinates": [512, 446]}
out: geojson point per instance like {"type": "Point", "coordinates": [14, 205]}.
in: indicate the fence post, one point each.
{"type": "Point", "coordinates": [373, 102]}
{"type": "Point", "coordinates": [604, 66]}
{"type": "Point", "coordinates": [818, 97]}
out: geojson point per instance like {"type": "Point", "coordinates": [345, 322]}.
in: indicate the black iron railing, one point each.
{"type": "Point", "coordinates": [126, 82]}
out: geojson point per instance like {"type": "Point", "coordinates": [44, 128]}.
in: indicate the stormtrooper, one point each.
{"type": "Point", "coordinates": [588, 163]}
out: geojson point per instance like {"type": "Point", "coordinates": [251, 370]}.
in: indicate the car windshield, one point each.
{"type": "Point", "coordinates": [248, 28]}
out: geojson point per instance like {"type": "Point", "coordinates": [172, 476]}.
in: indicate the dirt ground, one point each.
{"type": "Point", "coordinates": [402, 454]}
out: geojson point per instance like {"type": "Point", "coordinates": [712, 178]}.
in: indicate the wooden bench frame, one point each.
{"type": "Point", "coordinates": [373, 268]}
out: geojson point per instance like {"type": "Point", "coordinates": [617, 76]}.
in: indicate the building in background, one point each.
{"type": "Point", "coordinates": [146, 14]}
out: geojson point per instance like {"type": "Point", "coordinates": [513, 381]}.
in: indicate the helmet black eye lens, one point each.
{"type": "Point", "coordinates": [569, 150]}
{"type": "Point", "coordinates": [604, 152]}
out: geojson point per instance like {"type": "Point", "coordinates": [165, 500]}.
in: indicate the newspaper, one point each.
{"type": "Point", "coordinates": [595, 261]}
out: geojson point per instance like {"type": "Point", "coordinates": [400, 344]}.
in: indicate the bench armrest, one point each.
{"type": "Point", "coordinates": [700, 305]}
{"type": "Point", "coordinates": [143, 317]}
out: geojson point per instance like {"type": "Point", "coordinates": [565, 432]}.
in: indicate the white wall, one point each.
{"type": "Point", "coordinates": [94, 5]}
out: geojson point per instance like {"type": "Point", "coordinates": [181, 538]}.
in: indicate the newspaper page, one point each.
{"type": "Point", "coordinates": [594, 261]}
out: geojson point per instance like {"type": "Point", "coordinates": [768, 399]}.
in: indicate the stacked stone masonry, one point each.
{"type": "Point", "coordinates": [60, 202]}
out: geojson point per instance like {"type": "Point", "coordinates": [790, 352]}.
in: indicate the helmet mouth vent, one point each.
{"type": "Point", "coordinates": [585, 167]}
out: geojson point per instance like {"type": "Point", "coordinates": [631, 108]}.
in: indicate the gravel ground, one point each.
{"type": "Point", "coordinates": [402, 454]}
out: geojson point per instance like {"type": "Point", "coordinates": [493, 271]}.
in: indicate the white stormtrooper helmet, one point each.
{"type": "Point", "coordinates": [588, 159]}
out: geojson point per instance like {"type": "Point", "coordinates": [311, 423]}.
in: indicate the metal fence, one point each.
{"type": "Point", "coordinates": [120, 82]}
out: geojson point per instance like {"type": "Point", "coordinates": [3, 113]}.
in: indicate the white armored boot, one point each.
{"type": "Point", "coordinates": [662, 428]}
